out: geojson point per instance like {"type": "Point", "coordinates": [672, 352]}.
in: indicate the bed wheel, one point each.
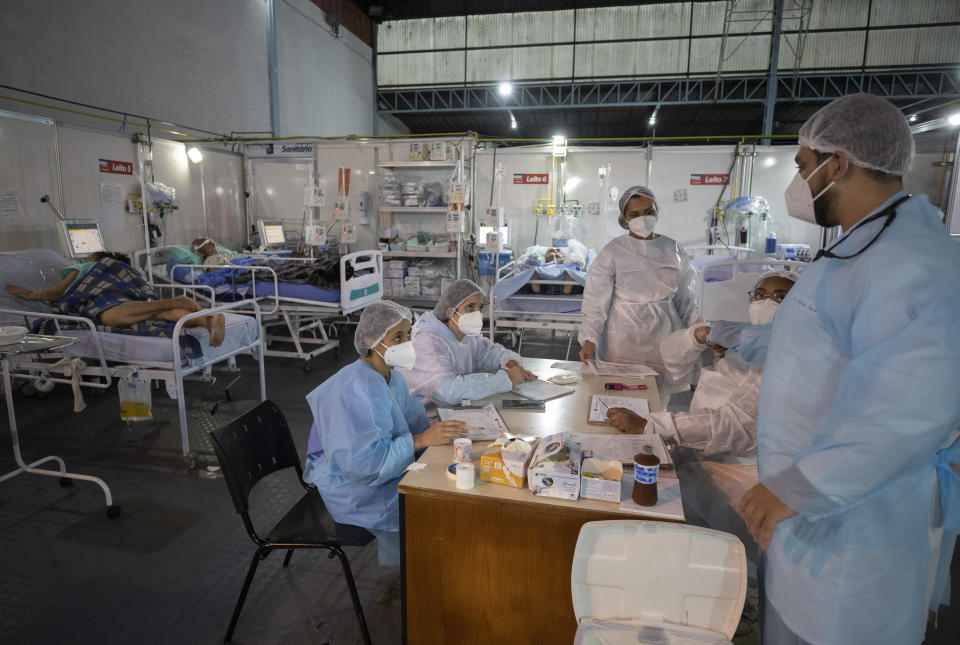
{"type": "Point", "coordinates": [191, 461]}
{"type": "Point", "coordinates": [113, 511]}
{"type": "Point", "coordinates": [65, 482]}
{"type": "Point", "coordinates": [27, 390]}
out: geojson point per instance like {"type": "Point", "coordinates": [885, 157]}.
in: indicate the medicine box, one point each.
{"type": "Point", "coordinates": [600, 478]}
{"type": "Point", "coordinates": [394, 273]}
{"type": "Point", "coordinates": [398, 264]}
{"type": "Point", "coordinates": [418, 152]}
{"type": "Point", "coordinates": [505, 461]}
{"type": "Point", "coordinates": [555, 468]}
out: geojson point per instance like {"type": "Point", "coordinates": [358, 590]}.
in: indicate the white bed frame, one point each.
{"type": "Point", "coordinates": [172, 373]}
{"type": "Point", "coordinates": [513, 322]}
{"type": "Point", "coordinates": [295, 320]}
{"type": "Point", "coordinates": [726, 299]}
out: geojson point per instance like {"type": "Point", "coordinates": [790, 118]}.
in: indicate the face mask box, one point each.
{"type": "Point", "coordinates": [505, 461]}
{"type": "Point", "coordinates": [555, 468]}
{"type": "Point", "coordinates": [419, 152]}
{"type": "Point", "coordinates": [600, 478]}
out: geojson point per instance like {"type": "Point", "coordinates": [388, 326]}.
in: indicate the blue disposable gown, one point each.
{"type": "Point", "coordinates": [858, 405]}
{"type": "Point", "coordinates": [361, 444]}
{"type": "Point", "coordinates": [448, 370]}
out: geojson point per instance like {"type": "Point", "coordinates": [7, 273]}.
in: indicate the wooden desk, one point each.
{"type": "Point", "coordinates": [492, 564]}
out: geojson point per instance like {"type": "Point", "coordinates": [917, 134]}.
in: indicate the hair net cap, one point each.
{"type": "Point", "coordinates": [786, 275]}
{"type": "Point", "coordinates": [630, 193]}
{"type": "Point", "coordinates": [453, 297]}
{"type": "Point", "coordinates": [868, 129]}
{"type": "Point", "coordinates": [375, 321]}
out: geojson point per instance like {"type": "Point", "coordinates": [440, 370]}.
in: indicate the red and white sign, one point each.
{"type": "Point", "coordinates": [116, 167]}
{"type": "Point", "coordinates": [521, 178]}
{"type": "Point", "coordinates": [709, 180]}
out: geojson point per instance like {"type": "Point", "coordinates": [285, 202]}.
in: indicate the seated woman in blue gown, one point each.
{"type": "Point", "coordinates": [367, 429]}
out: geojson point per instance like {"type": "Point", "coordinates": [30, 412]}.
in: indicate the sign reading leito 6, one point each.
{"type": "Point", "coordinates": [523, 178]}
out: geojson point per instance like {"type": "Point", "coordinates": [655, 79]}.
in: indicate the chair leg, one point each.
{"type": "Point", "coordinates": [286, 559]}
{"type": "Point", "coordinates": [243, 592]}
{"type": "Point", "coordinates": [354, 596]}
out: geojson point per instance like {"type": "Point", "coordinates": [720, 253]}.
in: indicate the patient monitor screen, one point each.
{"type": "Point", "coordinates": [84, 238]}
{"type": "Point", "coordinates": [273, 234]}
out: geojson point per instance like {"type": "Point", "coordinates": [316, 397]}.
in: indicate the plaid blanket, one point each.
{"type": "Point", "coordinates": [108, 284]}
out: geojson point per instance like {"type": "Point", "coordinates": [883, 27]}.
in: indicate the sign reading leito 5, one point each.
{"type": "Point", "coordinates": [116, 167]}
{"type": "Point", "coordinates": [523, 178]}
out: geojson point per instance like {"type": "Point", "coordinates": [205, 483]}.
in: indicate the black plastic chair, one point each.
{"type": "Point", "coordinates": [258, 444]}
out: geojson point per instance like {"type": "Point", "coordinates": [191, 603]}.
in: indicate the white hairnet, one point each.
{"type": "Point", "coordinates": [630, 193]}
{"type": "Point", "coordinates": [453, 297]}
{"type": "Point", "coordinates": [786, 275]}
{"type": "Point", "coordinates": [868, 129]}
{"type": "Point", "coordinates": [375, 321]}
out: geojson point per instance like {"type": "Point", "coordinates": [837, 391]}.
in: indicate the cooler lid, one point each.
{"type": "Point", "coordinates": [598, 632]}
{"type": "Point", "coordinates": [659, 571]}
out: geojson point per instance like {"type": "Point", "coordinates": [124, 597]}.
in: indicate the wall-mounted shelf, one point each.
{"type": "Point", "coordinates": [419, 254]}
{"type": "Point", "coordinates": [415, 209]}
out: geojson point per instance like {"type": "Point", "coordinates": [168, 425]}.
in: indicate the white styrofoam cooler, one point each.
{"type": "Point", "coordinates": [643, 582]}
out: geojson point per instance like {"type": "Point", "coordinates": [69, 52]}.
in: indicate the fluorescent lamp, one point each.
{"type": "Point", "coordinates": [195, 155]}
{"type": "Point", "coordinates": [913, 118]}
{"type": "Point", "coordinates": [505, 89]}
{"type": "Point", "coordinates": [559, 146]}
{"type": "Point", "coordinates": [954, 119]}
{"type": "Point", "coordinates": [652, 120]}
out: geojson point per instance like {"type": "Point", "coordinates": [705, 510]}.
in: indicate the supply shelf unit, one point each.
{"type": "Point", "coordinates": [389, 216]}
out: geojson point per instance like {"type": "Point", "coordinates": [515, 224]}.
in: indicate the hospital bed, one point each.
{"type": "Point", "coordinates": [298, 314]}
{"type": "Point", "coordinates": [109, 355]}
{"type": "Point", "coordinates": [722, 286]}
{"type": "Point", "coordinates": [513, 311]}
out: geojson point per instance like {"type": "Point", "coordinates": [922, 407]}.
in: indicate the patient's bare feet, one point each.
{"type": "Point", "coordinates": [217, 326]}
{"type": "Point", "coordinates": [185, 302]}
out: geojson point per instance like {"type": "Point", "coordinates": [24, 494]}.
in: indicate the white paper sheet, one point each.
{"type": "Point", "coordinates": [621, 446]}
{"type": "Point", "coordinates": [600, 403]}
{"type": "Point", "coordinates": [486, 421]}
{"type": "Point", "coordinates": [603, 368]}
{"type": "Point", "coordinates": [541, 390]}
{"type": "Point", "coordinates": [669, 504]}
{"type": "Point", "coordinates": [111, 193]}
{"type": "Point", "coordinates": [10, 204]}
{"type": "Point", "coordinates": [572, 366]}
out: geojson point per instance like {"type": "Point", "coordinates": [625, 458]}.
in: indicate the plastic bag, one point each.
{"type": "Point", "coordinates": [135, 396]}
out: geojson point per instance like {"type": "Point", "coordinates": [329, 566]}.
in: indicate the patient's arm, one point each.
{"type": "Point", "coordinates": [50, 294]}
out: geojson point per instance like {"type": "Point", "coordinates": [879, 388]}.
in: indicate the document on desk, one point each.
{"type": "Point", "coordinates": [622, 446]}
{"type": "Point", "coordinates": [570, 366]}
{"type": "Point", "coordinates": [485, 423]}
{"type": "Point", "coordinates": [600, 403]}
{"type": "Point", "coordinates": [604, 368]}
{"type": "Point", "coordinates": [541, 390]}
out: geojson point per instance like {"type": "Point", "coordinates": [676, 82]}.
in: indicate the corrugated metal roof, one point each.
{"type": "Point", "coordinates": [708, 16]}
{"type": "Point", "coordinates": [550, 62]}
{"type": "Point", "coordinates": [426, 33]}
{"type": "Point", "coordinates": [520, 28]}
{"type": "Point", "coordinates": [421, 69]}
{"type": "Point", "coordinates": [927, 45]}
{"type": "Point", "coordinates": [743, 54]}
{"type": "Point", "coordinates": [826, 15]}
{"type": "Point", "coordinates": [641, 21]}
{"type": "Point", "coordinates": [898, 12]}
{"type": "Point", "coordinates": [824, 51]}
{"type": "Point", "coordinates": [664, 57]}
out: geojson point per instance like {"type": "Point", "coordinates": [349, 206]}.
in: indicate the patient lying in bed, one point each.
{"type": "Point", "coordinates": [107, 290]}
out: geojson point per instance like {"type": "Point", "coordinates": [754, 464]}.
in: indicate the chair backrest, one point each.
{"type": "Point", "coordinates": [252, 446]}
{"type": "Point", "coordinates": [659, 571]}
{"type": "Point", "coordinates": [722, 286]}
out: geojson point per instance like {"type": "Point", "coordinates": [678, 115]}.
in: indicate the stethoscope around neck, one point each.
{"type": "Point", "coordinates": [890, 212]}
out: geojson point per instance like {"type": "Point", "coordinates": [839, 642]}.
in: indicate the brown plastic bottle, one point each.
{"type": "Point", "coordinates": [646, 467]}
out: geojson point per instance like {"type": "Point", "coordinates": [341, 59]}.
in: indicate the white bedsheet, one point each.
{"type": "Point", "coordinates": [127, 348]}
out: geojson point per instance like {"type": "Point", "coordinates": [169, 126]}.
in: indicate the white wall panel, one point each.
{"type": "Point", "coordinates": [490, 65]}
{"type": "Point", "coordinates": [928, 45]}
